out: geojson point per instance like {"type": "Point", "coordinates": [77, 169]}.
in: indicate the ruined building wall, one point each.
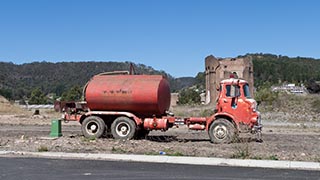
{"type": "Point", "coordinates": [218, 69]}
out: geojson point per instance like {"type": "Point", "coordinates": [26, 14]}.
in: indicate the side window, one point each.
{"type": "Point", "coordinates": [246, 91]}
{"type": "Point", "coordinates": [228, 88]}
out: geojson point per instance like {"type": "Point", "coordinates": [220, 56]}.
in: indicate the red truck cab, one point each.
{"type": "Point", "coordinates": [236, 105]}
{"type": "Point", "coordinates": [236, 111]}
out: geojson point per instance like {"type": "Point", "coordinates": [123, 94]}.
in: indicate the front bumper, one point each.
{"type": "Point", "coordinates": [258, 127]}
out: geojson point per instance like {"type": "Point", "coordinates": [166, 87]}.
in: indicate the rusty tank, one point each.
{"type": "Point", "coordinates": [143, 95]}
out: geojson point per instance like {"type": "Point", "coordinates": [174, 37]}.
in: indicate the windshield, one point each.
{"type": "Point", "coordinates": [233, 91]}
{"type": "Point", "coordinates": [246, 91]}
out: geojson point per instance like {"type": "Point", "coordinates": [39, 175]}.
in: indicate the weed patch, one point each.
{"type": "Point", "coordinates": [43, 149]}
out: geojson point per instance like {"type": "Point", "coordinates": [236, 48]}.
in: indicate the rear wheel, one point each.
{"type": "Point", "coordinates": [93, 127]}
{"type": "Point", "coordinates": [123, 128]}
{"type": "Point", "coordinates": [222, 131]}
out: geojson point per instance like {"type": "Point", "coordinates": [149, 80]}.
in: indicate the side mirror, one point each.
{"type": "Point", "coordinates": [235, 91]}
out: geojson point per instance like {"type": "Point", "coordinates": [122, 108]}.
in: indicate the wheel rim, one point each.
{"type": "Point", "coordinates": [220, 132]}
{"type": "Point", "coordinates": [92, 128]}
{"type": "Point", "coordinates": [123, 129]}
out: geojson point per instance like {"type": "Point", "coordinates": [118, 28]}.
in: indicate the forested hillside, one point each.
{"type": "Point", "coordinates": [279, 69]}
{"type": "Point", "coordinates": [18, 81]}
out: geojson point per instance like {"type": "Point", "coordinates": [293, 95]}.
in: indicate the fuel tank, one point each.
{"type": "Point", "coordinates": [143, 95]}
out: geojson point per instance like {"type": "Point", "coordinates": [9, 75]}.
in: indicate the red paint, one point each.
{"type": "Point", "coordinates": [197, 120]}
{"type": "Point", "coordinates": [143, 95]}
{"type": "Point", "coordinates": [156, 124]}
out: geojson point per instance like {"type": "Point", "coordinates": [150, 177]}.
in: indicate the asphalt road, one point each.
{"type": "Point", "coordinates": [13, 168]}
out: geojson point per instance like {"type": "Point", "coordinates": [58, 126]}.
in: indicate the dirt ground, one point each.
{"type": "Point", "coordinates": [282, 141]}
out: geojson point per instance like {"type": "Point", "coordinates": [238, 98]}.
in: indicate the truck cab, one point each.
{"type": "Point", "coordinates": [236, 102]}
{"type": "Point", "coordinates": [235, 112]}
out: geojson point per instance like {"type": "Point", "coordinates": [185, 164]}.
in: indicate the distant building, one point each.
{"type": "Point", "coordinates": [290, 88]}
{"type": "Point", "coordinates": [217, 69]}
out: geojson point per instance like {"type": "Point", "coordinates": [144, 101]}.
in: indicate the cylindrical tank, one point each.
{"type": "Point", "coordinates": [143, 95]}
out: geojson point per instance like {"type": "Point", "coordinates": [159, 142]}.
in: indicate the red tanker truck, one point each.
{"type": "Point", "coordinates": [130, 106]}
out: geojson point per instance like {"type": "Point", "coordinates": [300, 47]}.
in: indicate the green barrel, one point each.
{"type": "Point", "coordinates": [55, 128]}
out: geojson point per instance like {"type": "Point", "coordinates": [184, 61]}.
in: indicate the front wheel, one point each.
{"type": "Point", "coordinates": [123, 128]}
{"type": "Point", "coordinates": [222, 131]}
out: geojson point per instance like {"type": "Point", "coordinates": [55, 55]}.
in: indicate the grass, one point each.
{"type": "Point", "coordinates": [257, 158]}
{"type": "Point", "coordinates": [89, 139]}
{"type": "Point", "coordinates": [151, 153]}
{"type": "Point", "coordinates": [118, 150]}
{"type": "Point", "coordinates": [176, 154]}
{"type": "Point", "coordinates": [241, 151]}
{"type": "Point", "coordinates": [166, 152]}
{"type": "Point", "coordinates": [273, 157]}
{"type": "Point", "coordinates": [43, 149]}
{"type": "Point", "coordinates": [170, 152]}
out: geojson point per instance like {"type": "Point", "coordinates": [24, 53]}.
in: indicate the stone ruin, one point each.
{"type": "Point", "coordinates": [217, 69]}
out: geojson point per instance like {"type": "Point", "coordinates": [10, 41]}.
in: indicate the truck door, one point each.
{"type": "Point", "coordinates": [234, 103]}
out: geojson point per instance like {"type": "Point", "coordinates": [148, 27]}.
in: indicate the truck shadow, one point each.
{"type": "Point", "coordinates": [164, 138]}
{"type": "Point", "coordinates": [172, 139]}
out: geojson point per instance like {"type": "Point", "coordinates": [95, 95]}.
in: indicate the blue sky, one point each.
{"type": "Point", "coordinates": [170, 35]}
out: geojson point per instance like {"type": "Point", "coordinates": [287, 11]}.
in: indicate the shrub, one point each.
{"type": "Point", "coordinates": [266, 95]}
{"type": "Point", "coordinates": [241, 151]}
{"type": "Point", "coordinates": [43, 149]}
{"type": "Point", "coordinates": [189, 96]}
{"type": "Point", "coordinates": [37, 97]}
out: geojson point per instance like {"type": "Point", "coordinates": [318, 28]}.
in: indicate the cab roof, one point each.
{"type": "Point", "coordinates": [233, 81]}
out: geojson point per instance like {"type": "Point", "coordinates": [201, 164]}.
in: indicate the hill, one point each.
{"type": "Point", "coordinates": [277, 69]}
{"type": "Point", "coordinates": [17, 81]}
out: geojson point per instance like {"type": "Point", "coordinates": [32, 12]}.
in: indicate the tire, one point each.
{"type": "Point", "coordinates": [123, 128]}
{"type": "Point", "coordinates": [222, 131]}
{"type": "Point", "coordinates": [93, 127]}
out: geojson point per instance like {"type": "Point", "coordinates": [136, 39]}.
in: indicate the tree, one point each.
{"type": "Point", "coordinates": [189, 96]}
{"type": "Point", "coordinates": [37, 97]}
{"type": "Point", "coordinates": [74, 94]}
{"type": "Point", "coordinates": [7, 93]}
{"type": "Point", "coordinates": [201, 79]}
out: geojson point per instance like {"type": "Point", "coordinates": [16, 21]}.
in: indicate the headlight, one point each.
{"type": "Point", "coordinates": [253, 107]}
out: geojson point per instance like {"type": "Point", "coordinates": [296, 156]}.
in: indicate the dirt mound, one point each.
{"type": "Point", "coordinates": [7, 108]}
{"type": "Point", "coordinates": [3, 100]}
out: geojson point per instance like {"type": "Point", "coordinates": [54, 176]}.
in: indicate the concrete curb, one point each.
{"type": "Point", "coordinates": [175, 160]}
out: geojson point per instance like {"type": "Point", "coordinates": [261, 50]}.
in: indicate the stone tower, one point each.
{"type": "Point", "coordinates": [219, 69]}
